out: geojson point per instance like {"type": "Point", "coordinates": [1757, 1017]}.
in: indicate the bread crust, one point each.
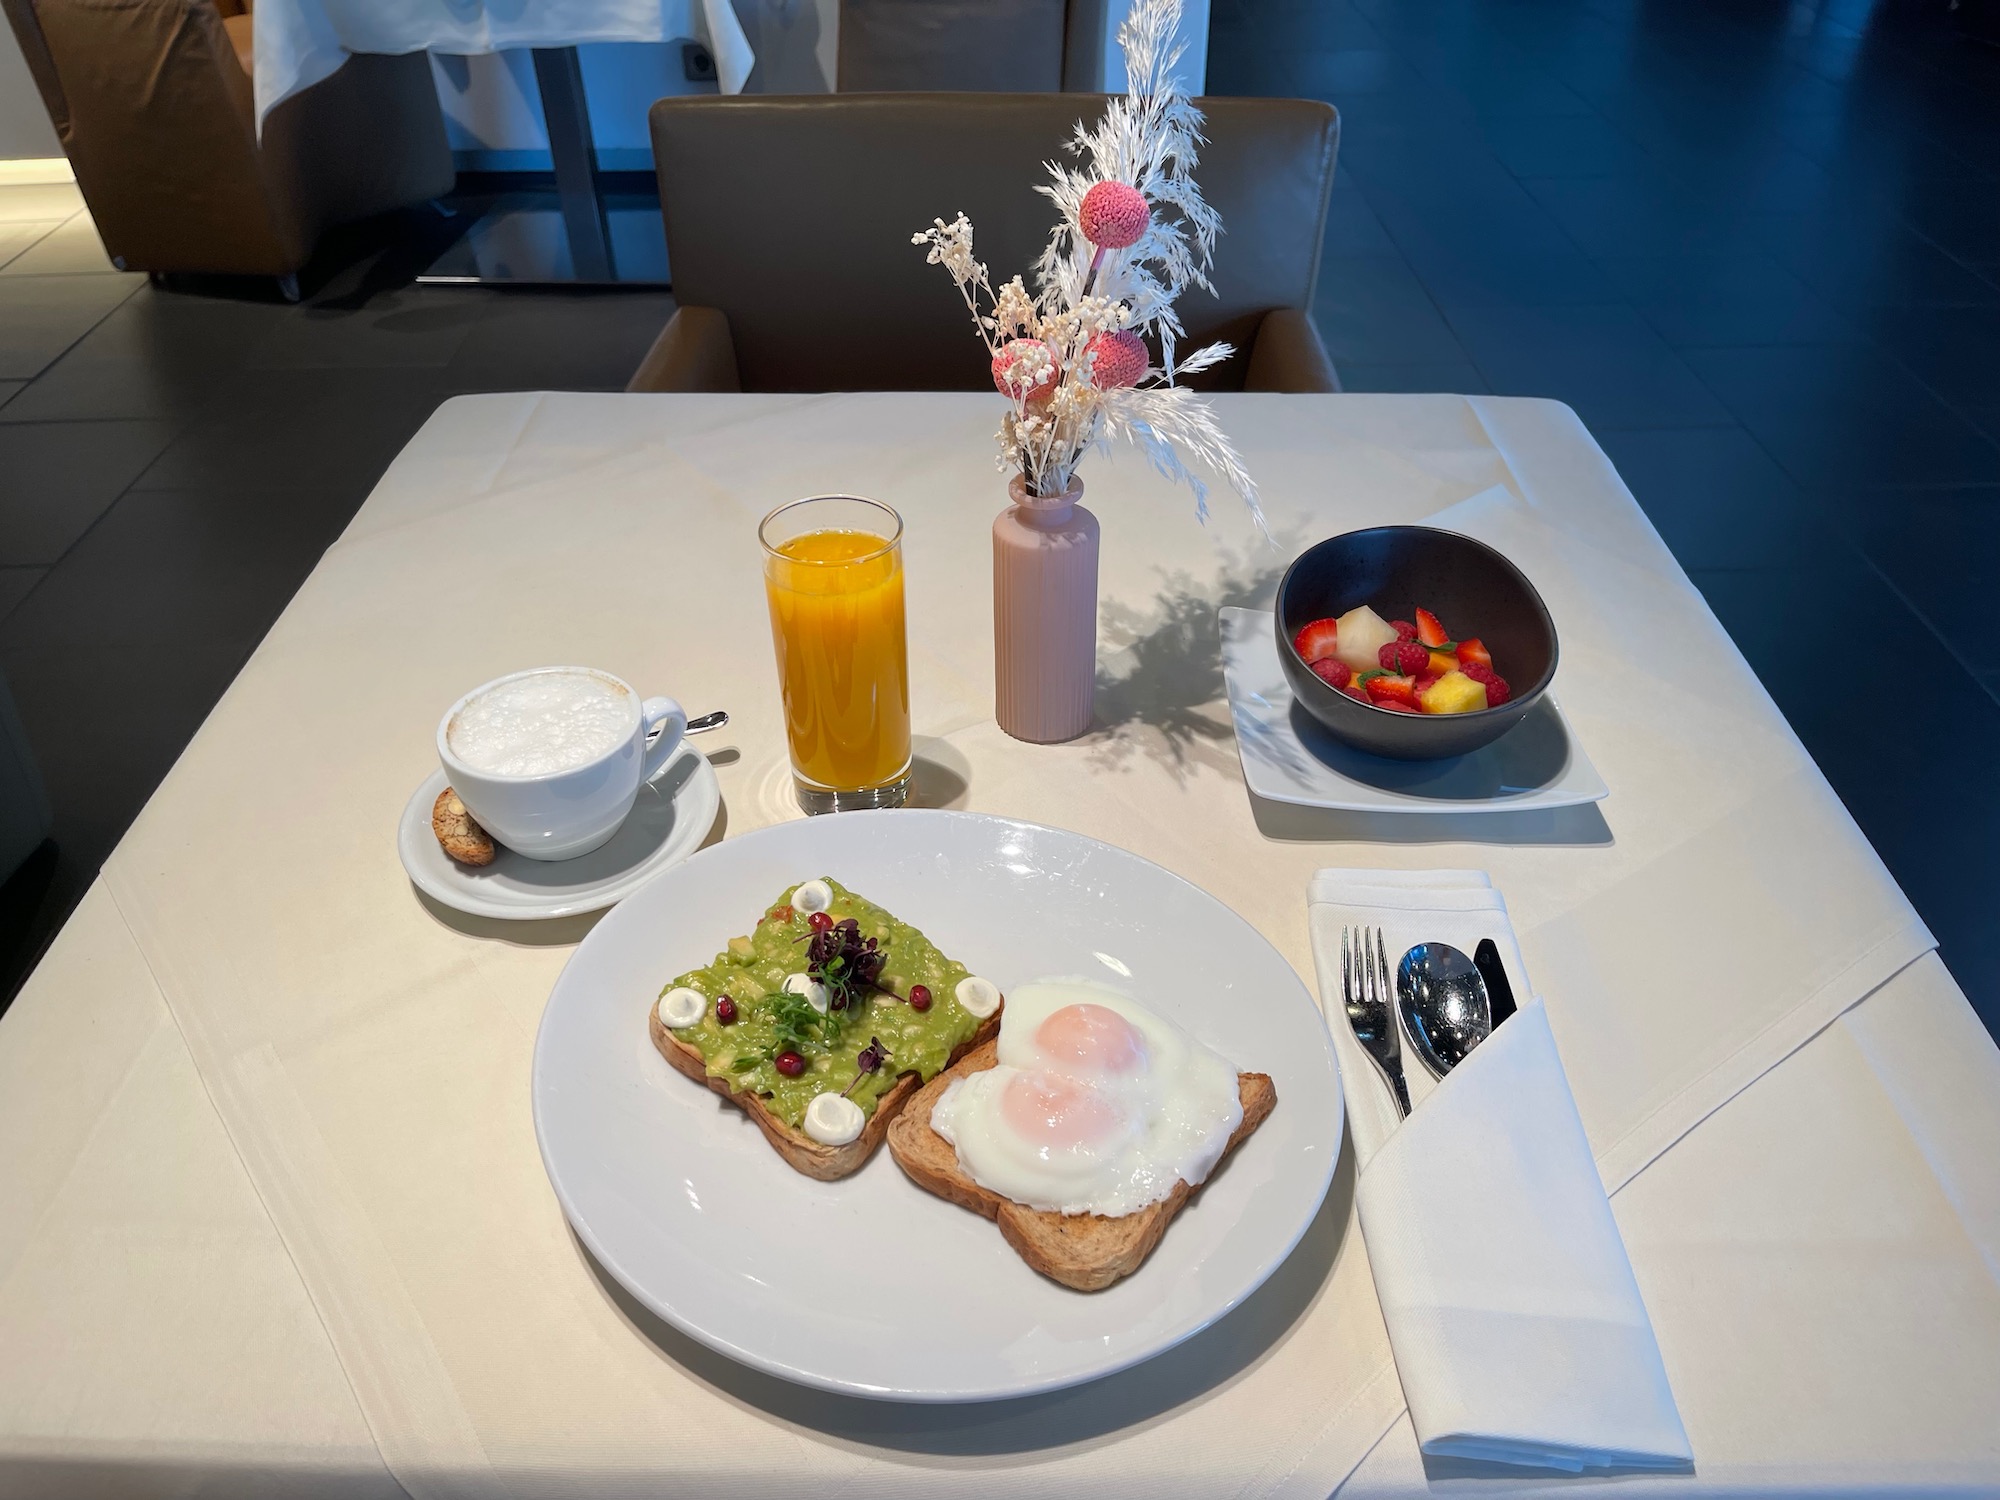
{"type": "Point", "coordinates": [1085, 1252]}
{"type": "Point", "coordinates": [458, 832]}
{"type": "Point", "coordinates": [801, 1151]}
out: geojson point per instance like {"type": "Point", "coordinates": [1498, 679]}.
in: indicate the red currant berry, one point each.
{"type": "Point", "coordinates": [920, 997]}
{"type": "Point", "coordinates": [820, 921]}
{"type": "Point", "coordinates": [725, 1011]}
{"type": "Point", "coordinates": [791, 1064]}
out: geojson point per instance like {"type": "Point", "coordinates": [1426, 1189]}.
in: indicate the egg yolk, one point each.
{"type": "Point", "coordinates": [1050, 1111]}
{"type": "Point", "coordinates": [1094, 1037]}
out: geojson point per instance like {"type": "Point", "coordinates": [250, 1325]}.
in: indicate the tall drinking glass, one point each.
{"type": "Point", "coordinates": [833, 575]}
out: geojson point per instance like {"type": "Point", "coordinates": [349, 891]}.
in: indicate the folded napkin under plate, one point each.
{"type": "Point", "coordinates": [1519, 1333]}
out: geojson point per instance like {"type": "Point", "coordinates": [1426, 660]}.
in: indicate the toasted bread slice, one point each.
{"type": "Point", "coordinates": [1086, 1252]}
{"type": "Point", "coordinates": [803, 1152]}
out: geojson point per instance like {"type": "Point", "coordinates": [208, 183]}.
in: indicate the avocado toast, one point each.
{"type": "Point", "coordinates": [822, 1022]}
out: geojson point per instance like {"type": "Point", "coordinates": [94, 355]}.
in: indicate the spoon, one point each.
{"type": "Point", "coordinates": [1444, 1004]}
{"type": "Point", "coordinates": [707, 722]}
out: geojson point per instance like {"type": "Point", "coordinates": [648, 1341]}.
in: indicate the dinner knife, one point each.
{"type": "Point", "coordinates": [1499, 993]}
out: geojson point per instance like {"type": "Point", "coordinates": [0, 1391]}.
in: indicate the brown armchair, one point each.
{"type": "Point", "coordinates": [152, 102]}
{"type": "Point", "coordinates": [789, 224]}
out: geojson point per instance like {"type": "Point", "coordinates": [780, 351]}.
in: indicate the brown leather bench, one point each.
{"type": "Point", "coordinates": [789, 222]}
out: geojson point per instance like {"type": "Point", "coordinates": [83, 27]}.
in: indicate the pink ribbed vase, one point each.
{"type": "Point", "coordinates": [1044, 614]}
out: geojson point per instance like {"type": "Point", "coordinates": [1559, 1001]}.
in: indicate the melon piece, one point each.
{"type": "Point", "coordinates": [1361, 637]}
{"type": "Point", "coordinates": [1453, 693]}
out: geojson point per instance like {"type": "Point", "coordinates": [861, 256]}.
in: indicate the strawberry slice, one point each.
{"type": "Point", "coordinates": [1393, 688]}
{"type": "Point", "coordinates": [1429, 631]}
{"type": "Point", "coordinates": [1316, 640]}
{"type": "Point", "coordinates": [1474, 652]}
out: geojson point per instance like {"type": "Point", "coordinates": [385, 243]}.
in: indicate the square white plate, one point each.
{"type": "Point", "coordinates": [1288, 757]}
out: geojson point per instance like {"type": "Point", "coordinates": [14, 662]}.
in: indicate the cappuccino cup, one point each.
{"type": "Point", "coordinates": [549, 761]}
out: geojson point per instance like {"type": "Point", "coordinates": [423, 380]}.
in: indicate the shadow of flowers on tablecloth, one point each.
{"type": "Point", "coordinates": [1159, 670]}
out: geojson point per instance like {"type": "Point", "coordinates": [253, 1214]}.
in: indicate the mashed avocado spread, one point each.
{"type": "Point", "coordinates": [752, 972]}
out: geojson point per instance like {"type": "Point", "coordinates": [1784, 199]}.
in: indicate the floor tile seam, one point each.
{"type": "Point", "coordinates": [1962, 411]}
{"type": "Point", "coordinates": [82, 536]}
{"type": "Point", "coordinates": [1896, 591]}
{"type": "Point", "coordinates": [95, 324]}
{"type": "Point", "coordinates": [53, 226]}
{"type": "Point", "coordinates": [44, 569]}
{"type": "Point", "coordinates": [1808, 484]}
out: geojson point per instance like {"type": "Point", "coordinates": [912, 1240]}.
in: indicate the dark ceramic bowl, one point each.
{"type": "Point", "coordinates": [1393, 569]}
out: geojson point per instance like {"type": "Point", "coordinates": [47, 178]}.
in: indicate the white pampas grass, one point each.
{"type": "Point", "coordinates": [1150, 139]}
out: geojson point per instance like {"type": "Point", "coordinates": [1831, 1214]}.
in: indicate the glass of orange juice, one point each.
{"type": "Point", "coordinates": [833, 575]}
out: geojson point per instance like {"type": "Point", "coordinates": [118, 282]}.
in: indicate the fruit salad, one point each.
{"type": "Point", "coordinates": [1401, 666]}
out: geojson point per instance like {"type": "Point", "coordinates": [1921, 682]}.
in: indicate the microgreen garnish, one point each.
{"type": "Point", "coordinates": [845, 962]}
{"type": "Point", "coordinates": [796, 1024]}
{"type": "Point", "coordinates": [870, 1060]}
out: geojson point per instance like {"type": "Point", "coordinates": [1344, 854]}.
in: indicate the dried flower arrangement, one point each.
{"type": "Point", "coordinates": [1073, 358]}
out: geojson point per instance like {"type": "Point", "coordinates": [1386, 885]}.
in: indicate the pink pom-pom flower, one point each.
{"type": "Point", "coordinates": [1026, 370]}
{"type": "Point", "coordinates": [1118, 358]}
{"type": "Point", "coordinates": [1114, 215]}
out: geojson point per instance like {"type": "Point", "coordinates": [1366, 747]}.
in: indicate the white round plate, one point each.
{"type": "Point", "coordinates": [872, 1286]}
{"type": "Point", "coordinates": [667, 824]}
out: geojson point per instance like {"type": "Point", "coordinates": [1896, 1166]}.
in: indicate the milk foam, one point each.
{"type": "Point", "coordinates": [541, 724]}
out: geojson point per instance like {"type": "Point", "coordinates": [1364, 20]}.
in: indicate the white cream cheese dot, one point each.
{"type": "Point", "coordinates": [980, 997]}
{"type": "Point", "coordinates": [811, 988]}
{"type": "Point", "coordinates": [832, 1120]}
{"type": "Point", "coordinates": [814, 895]}
{"type": "Point", "coordinates": [682, 1007]}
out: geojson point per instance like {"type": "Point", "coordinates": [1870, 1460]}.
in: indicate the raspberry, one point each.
{"type": "Point", "coordinates": [1405, 631]}
{"type": "Point", "coordinates": [1332, 671]}
{"type": "Point", "coordinates": [1497, 691]}
{"type": "Point", "coordinates": [1406, 658]}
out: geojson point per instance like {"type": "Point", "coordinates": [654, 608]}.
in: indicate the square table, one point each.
{"type": "Point", "coordinates": [272, 1217]}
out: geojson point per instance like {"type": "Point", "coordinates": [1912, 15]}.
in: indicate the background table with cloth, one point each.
{"type": "Point", "coordinates": [274, 1213]}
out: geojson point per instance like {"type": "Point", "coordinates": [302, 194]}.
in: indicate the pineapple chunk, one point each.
{"type": "Point", "coordinates": [1453, 693]}
{"type": "Point", "coordinates": [1361, 636]}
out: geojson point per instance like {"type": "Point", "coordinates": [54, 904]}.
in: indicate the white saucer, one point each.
{"type": "Point", "coordinates": [1288, 757]}
{"type": "Point", "coordinates": [672, 816]}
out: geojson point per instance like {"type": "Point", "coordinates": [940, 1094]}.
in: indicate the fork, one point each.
{"type": "Point", "coordinates": [1366, 995]}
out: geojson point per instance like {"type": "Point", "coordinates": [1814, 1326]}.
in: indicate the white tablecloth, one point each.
{"type": "Point", "coordinates": [272, 1205]}
{"type": "Point", "coordinates": [299, 42]}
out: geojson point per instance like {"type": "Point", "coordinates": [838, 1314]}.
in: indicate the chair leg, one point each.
{"type": "Point", "coordinates": [288, 288]}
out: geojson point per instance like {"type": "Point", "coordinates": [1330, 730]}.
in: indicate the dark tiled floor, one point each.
{"type": "Point", "coordinates": [1756, 245]}
{"type": "Point", "coordinates": [173, 461]}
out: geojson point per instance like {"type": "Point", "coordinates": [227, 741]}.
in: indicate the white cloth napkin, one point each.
{"type": "Point", "coordinates": [1518, 1330]}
